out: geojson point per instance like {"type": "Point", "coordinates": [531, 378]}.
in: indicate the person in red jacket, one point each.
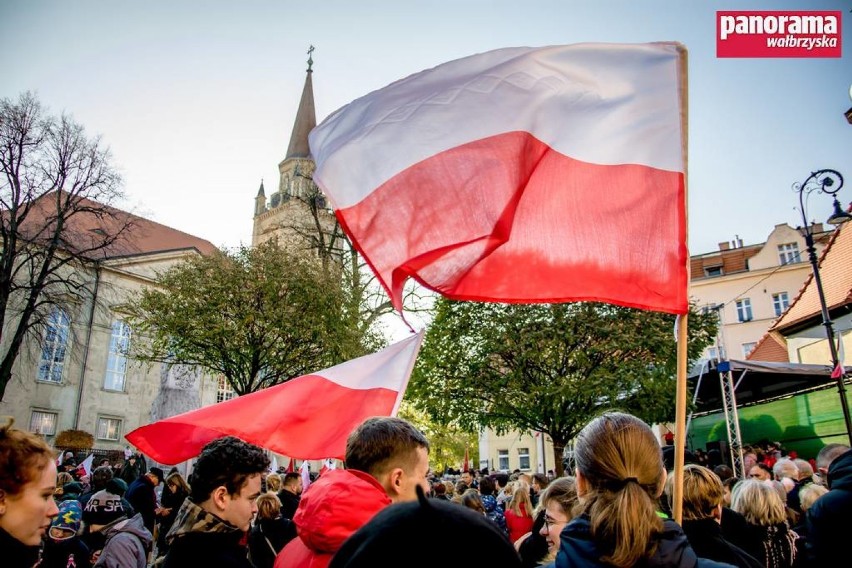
{"type": "Point", "coordinates": [386, 459]}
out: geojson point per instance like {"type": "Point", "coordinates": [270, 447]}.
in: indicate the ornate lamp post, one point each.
{"type": "Point", "coordinates": [828, 182]}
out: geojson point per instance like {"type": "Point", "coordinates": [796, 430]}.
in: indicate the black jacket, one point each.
{"type": "Point", "coordinates": [705, 537]}
{"type": "Point", "coordinates": [577, 549]}
{"type": "Point", "coordinates": [267, 538]}
{"type": "Point", "coordinates": [143, 499]}
{"type": "Point", "coordinates": [15, 553]}
{"type": "Point", "coordinates": [289, 503]}
{"type": "Point", "coordinates": [828, 518]}
{"type": "Point", "coordinates": [534, 548]}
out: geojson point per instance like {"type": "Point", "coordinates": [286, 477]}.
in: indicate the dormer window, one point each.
{"type": "Point", "coordinates": [710, 271]}
{"type": "Point", "coordinates": [788, 253]}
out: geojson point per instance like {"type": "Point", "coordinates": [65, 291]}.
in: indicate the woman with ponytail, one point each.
{"type": "Point", "coordinates": [620, 476]}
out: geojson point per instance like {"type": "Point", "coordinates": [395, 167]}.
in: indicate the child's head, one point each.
{"type": "Point", "coordinates": [68, 522]}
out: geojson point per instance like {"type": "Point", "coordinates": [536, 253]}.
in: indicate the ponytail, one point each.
{"type": "Point", "coordinates": [621, 461]}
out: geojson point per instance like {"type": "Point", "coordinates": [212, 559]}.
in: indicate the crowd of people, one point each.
{"type": "Point", "coordinates": [386, 507]}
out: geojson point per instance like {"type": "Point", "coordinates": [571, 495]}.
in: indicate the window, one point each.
{"type": "Point", "coordinates": [119, 344]}
{"type": "Point", "coordinates": [788, 253]}
{"type": "Point", "coordinates": [780, 302]}
{"type": "Point", "coordinates": [748, 348]}
{"type": "Point", "coordinates": [225, 390]}
{"type": "Point", "coordinates": [503, 460]}
{"type": "Point", "coordinates": [109, 428]}
{"type": "Point", "coordinates": [713, 353]}
{"type": "Point", "coordinates": [744, 310]}
{"type": "Point", "coordinates": [524, 458]}
{"type": "Point", "coordinates": [53, 346]}
{"type": "Point", "coordinates": [43, 422]}
{"type": "Point", "coordinates": [713, 271]}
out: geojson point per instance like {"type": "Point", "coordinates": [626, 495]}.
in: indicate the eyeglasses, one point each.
{"type": "Point", "coordinates": [549, 522]}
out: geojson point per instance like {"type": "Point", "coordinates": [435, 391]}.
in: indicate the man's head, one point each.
{"type": "Point", "coordinates": [761, 472]}
{"type": "Point", "coordinates": [539, 482]}
{"type": "Point", "coordinates": [467, 478]}
{"type": "Point", "coordinates": [827, 455]}
{"type": "Point", "coordinates": [100, 476]}
{"type": "Point", "coordinates": [392, 451]}
{"type": "Point", "coordinates": [292, 482]}
{"type": "Point", "coordinates": [156, 476]}
{"type": "Point", "coordinates": [226, 480]}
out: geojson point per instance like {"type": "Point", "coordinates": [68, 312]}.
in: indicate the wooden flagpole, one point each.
{"type": "Point", "coordinates": [682, 320]}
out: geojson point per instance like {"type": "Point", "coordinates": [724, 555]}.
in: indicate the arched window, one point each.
{"type": "Point", "coordinates": [54, 346]}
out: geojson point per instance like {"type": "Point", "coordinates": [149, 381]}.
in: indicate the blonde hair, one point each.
{"type": "Point", "coordinates": [521, 504]}
{"type": "Point", "coordinates": [758, 503]}
{"type": "Point", "coordinates": [785, 468]}
{"type": "Point", "coordinates": [702, 492]}
{"type": "Point", "coordinates": [273, 482]}
{"type": "Point", "coordinates": [451, 488]}
{"type": "Point", "coordinates": [268, 506]}
{"type": "Point", "coordinates": [620, 459]}
{"type": "Point", "coordinates": [809, 494]}
{"type": "Point", "coordinates": [563, 491]}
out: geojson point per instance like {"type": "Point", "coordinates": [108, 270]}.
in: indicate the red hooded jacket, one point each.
{"type": "Point", "coordinates": [336, 505]}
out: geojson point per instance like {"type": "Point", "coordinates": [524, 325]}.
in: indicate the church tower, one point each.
{"type": "Point", "coordinates": [287, 215]}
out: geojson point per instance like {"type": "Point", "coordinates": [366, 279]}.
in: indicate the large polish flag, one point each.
{"type": "Point", "coordinates": [309, 417]}
{"type": "Point", "coordinates": [546, 174]}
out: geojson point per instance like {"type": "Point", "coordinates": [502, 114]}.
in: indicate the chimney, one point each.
{"type": "Point", "coordinates": [725, 245]}
{"type": "Point", "coordinates": [818, 228]}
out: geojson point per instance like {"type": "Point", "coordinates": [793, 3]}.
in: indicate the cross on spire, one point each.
{"type": "Point", "coordinates": [310, 58]}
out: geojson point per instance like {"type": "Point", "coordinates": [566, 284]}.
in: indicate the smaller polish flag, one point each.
{"type": "Point", "coordinates": [466, 462]}
{"type": "Point", "coordinates": [290, 468]}
{"type": "Point", "coordinates": [309, 417]}
{"type": "Point", "coordinates": [273, 464]}
{"type": "Point", "coordinates": [85, 467]}
{"type": "Point", "coordinates": [305, 471]}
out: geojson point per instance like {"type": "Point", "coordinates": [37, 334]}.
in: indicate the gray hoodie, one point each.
{"type": "Point", "coordinates": [127, 544]}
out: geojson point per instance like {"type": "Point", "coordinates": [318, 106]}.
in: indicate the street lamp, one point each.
{"type": "Point", "coordinates": [828, 182]}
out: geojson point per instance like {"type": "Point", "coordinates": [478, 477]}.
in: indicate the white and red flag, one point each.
{"type": "Point", "coordinates": [548, 174]}
{"type": "Point", "coordinates": [308, 417]}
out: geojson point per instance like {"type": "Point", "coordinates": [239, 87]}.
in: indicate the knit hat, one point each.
{"type": "Point", "coordinates": [398, 529]}
{"type": "Point", "coordinates": [158, 473]}
{"type": "Point", "coordinates": [117, 486]}
{"type": "Point", "coordinates": [72, 488]}
{"type": "Point", "coordinates": [69, 518]}
{"type": "Point", "coordinates": [103, 508]}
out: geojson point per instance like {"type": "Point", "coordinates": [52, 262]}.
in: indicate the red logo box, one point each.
{"type": "Point", "coordinates": [805, 33]}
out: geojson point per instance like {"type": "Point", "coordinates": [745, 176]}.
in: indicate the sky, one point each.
{"type": "Point", "coordinates": [197, 99]}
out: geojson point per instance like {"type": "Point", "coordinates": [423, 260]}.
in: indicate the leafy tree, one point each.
{"type": "Point", "coordinates": [447, 442]}
{"type": "Point", "coordinates": [259, 316]}
{"type": "Point", "coordinates": [56, 188]}
{"type": "Point", "coordinates": [549, 368]}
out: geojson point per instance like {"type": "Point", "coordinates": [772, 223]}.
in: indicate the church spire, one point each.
{"type": "Point", "coordinates": [306, 117]}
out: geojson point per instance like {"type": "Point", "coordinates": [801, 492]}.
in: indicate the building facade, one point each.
{"type": "Point", "coordinates": [750, 286]}
{"type": "Point", "coordinates": [79, 375]}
